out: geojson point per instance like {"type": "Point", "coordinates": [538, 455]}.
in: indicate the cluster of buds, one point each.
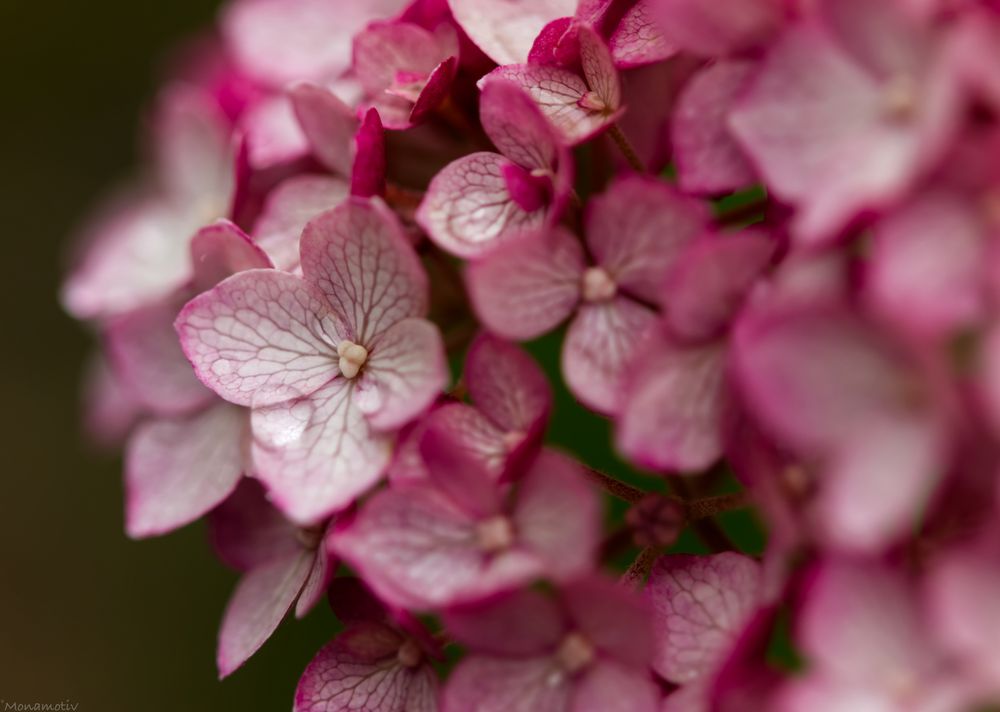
{"type": "Point", "coordinates": [766, 234]}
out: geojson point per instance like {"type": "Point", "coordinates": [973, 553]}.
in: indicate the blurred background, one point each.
{"type": "Point", "coordinates": [86, 615]}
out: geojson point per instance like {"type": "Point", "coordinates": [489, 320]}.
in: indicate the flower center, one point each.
{"type": "Point", "coordinates": [512, 440]}
{"type": "Point", "coordinates": [409, 654]}
{"type": "Point", "coordinates": [575, 653]}
{"type": "Point", "coordinates": [494, 534]}
{"type": "Point", "coordinates": [900, 98]}
{"type": "Point", "coordinates": [352, 358]}
{"type": "Point", "coordinates": [598, 285]}
{"type": "Point", "coordinates": [408, 85]}
{"type": "Point", "coordinates": [592, 102]}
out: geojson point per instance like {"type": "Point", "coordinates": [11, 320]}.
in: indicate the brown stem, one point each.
{"type": "Point", "coordinates": [613, 486]}
{"type": "Point", "coordinates": [740, 215]}
{"type": "Point", "coordinates": [626, 148]}
{"type": "Point", "coordinates": [637, 572]}
{"type": "Point", "coordinates": [711, 506]}
{"type": "Point", "coordinates": [707, 529]}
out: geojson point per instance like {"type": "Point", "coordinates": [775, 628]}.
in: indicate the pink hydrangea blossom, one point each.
{"type": "Point", "coordinates": [330, 363]}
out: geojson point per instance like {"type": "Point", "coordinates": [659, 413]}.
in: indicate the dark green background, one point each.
{"type": "Point", "coordinates": [85, 614]}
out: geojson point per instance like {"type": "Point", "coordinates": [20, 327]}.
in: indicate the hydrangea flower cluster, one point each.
{"type": "Point", "coordinates": [766, 234]}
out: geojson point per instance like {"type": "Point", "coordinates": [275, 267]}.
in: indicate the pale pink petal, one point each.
{"type": "Point", "coordinates": [109, 407]}
{"type": "Point", "coordinates": [468, 207]}
{"type": "Point", "coordinates": [194, 154]}
{"type": "Point", "coordinates": [417, 549]}
{"type": "Point", "coordinates": [708, 159]}
{"type": "Point", "coordinates": [248, 532]}
{"type": "Point", "coordinates": [385, 49]}
{"type": "Point", "coordinates": [881, 35]}
{"type": "Point", "coordinates": [368, 171]}
{"type": "Point", "coordinates": [710, 280]}
{"type": "Point", "coordinates": [482, 684]}
{"type": "Point", "coordinates": [177, 470]}
{"type": "Point", "coordinates": [359, 671]}
{"type": "Point", "coordinates": [676, 407]}
{"type": "Point", "coordinates": [519, 623]}
{"type": "Point", "coordinates": [611, 687]}
{"type": "Point", "coordinates": [528, 285]}
{"type": "Point", "coordinates": [878, 483]}
{"type": "Point", "coordinates": [964, 597]}
{"type": "Point", "coordinates": [329, 125]}
{"type": "Point", "coordinates": [288, 209]}
{"type": "Point", "coordinates": [718, 27]}
{"type": "Point", "coordinates": [261, 599]}
{"type": "Point", "coordinates": [506, 29]}
{"type": "Point", "coordinates": [816, 693]}
{"type": "Point", "coordinates": [147, 357]}
{"type": "Point", "coordinates": [700, 605]}
{"type": "Point", "coordinates": [261, 337]}
{"type": "Point", "coordinates": [861, 624]}
{"type": "Point", "coordinates": [818, 376]}
{"type": "Point", "coordinates": [599, 69]}
{"type": "Point", "coordinates": [135, 253]}
{"type": "Point", "coordinates": [516, 126]}
{"type": "Point", "coordinates": [638, 40]}
{"type": "Point", "coordinates": [506, 384]}
{"type": "Point", "coordinates": [601, 345]}
{"type": "Point", "coordinates": [616, 620]}
{"type": "Point", "coordinates": [558, 93]}
{"type": "Point", "coordinates": [274, 135]}
{"type": "Point", "coordinates": [319, 453]}
{"type": "Point", "coordinates": [278, 42]}
{"type": "Point", "coordinates": [405, 372]}
{"type": "Point", "coordinates": [221, 250]}
{"type": "Point", "coordinates": [929, 285]}
{"type": "Point", "coordinates": [637, 228]}
{"type": "Point", "coordinates": [558, 516]}
{"type": "Point", "coordinates": [360, 258]}
{"type": "Point", "coordinates": [316, 584]}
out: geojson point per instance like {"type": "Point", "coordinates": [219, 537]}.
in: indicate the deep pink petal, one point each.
{"type": "Point", "coordinates": [317, 454]}
{"type": "Point", "coordinates": [221, 250]}
{"type": "Point", "coordinates": [558, 516]}
{"type": "Point", "coordinates": [692, 697]}
{"type": "Point", "coordinates": [261, 337]}
{"type": "Point", "coordinates": [928, 285]}
{"type": "Point", "coordinates": [638, 40]}
{"type": "Point", "coordinates": [329, 125]}
{"type": "Point", "coordinates": [709, 161]}
{"type": "Point", "coordinates": [610, 686]}
{"type": "Point", "coordinates": [261, 599]}
{"type": "Point", "coordinates": [359, 257]}
{"type": "Point", "coordinates": [464, 479]}
{"type": "Point", "coordinates": [556, 44]}
{"type": "Point", "coordinates": [419, 550]}
{"type": "Point", "coordinates": [637, 228]}
{"type": "Point", "coordinates": [521, 623]}
{"type": "Point", "coordinates": [616, 620]}
{"type": "Point", "coordinates": [516, 126]}
{"type": "Point", "coordinates": [368, 171]}
{"type": "Point", "coordinates": [719, 27]}
{"type": "Point", "coordinates": [506, 29]}
{"type": "Point", "coordinates": [471, 431]}
{"type": "Point", "coordinates": [177, 470]}
{"type": "Point", "coordinates": [710, 280]}
{"type": "Point", "coordinates": [482, 684]}
{"type": "Point", "coordinates": [676, 406]}
{"type": "Point", "coordinates": [289, 207]}
{"type": "Point", "coordinates": [143, 347]}
{"type": "Point", "coordinates": [468, 208]}
{"type": "Point", "coordinates": [558, 94]}
{"type": "Point", "coordinates": [247, 531]}
{"type": "Point", "coordinates": [358, 671]}
{"type": "Point", "coordinates": [405, 372]}
{"type": "Point", "coordinates": [700, 605]}
{"type": "Point", "coordinates": [435, 91]}
{"type": "Point", "coordinates": [528, 285]}
{"type": "Point", "coordinates": [601, 345]}
{"type": "Point", "coordinates": [506, 384]}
